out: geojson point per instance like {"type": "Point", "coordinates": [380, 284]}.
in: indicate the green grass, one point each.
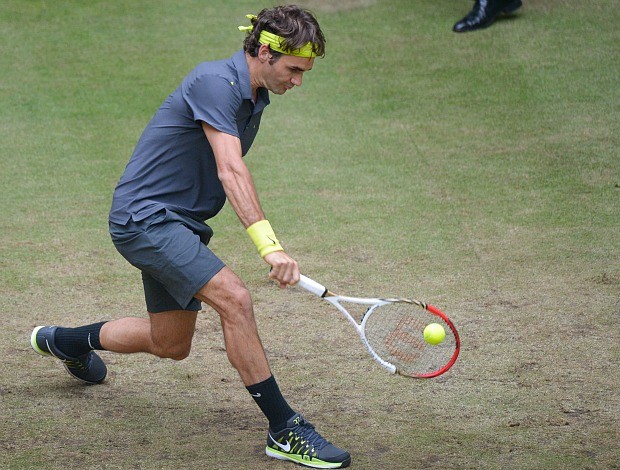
{"type": "Point", "coordinates": [480, 172]}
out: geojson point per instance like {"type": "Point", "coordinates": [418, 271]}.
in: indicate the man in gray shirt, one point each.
{"type": "Point", "coordinates": [187, 163]}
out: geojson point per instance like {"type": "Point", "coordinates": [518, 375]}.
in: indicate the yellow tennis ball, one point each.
{"type": "Point", "coordinates": [434, 334]}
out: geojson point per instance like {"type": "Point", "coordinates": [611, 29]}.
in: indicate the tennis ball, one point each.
{"type": "Point", "coordinates": [434, 334]}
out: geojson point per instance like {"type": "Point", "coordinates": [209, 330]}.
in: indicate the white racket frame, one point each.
{"type": "Point", "coordinates": [321, 291]}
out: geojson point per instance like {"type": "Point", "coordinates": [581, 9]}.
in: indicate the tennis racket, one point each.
{"type": "Point", "coordinates": [392, 331]}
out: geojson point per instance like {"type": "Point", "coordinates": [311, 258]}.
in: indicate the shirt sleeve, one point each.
{"type": "Point", "coordinates": [214, 100]}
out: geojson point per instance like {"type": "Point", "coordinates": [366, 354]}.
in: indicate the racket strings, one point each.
{"type": "Point", "coordinates": [395, 332]}
{"type": "Point", "coordinates": [402, 341]}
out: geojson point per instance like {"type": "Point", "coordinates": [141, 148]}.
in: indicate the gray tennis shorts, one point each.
{"type": "Point", "coordinates": [171, 251]}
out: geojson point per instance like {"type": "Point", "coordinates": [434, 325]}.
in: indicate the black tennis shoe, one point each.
{"type": "Point", "coordinates": [88, 367]}
{"type": "Point", "coordinates": [300, 443]}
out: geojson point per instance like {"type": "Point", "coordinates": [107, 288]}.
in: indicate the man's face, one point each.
{"type": "Point", "coordinates": [286, 72]}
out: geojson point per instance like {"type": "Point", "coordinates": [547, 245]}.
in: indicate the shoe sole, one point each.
{"type": "Point", "coordinates": [299, 459]}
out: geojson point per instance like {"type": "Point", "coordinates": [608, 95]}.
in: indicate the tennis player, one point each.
{"type": "Point", "coordinates": [187, 163]}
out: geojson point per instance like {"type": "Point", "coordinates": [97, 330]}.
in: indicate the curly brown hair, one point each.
{"type": "Point", "coordinates": [294, 24]}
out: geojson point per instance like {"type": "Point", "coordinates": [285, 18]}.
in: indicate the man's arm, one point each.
{"type": "Point", "coordinates": [242, 195]}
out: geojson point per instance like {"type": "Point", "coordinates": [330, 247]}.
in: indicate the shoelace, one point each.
{"type": "Point", "coordinates": [309, 437]}
{"type": "Point", "coordinates": [77, 363]}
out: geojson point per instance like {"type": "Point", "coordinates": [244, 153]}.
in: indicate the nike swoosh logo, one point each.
{"type": "Point", "coordinates": [285, 448]}
{"type": "Point", "coordinates": [272, 240]}
{"type": "Point", "coordinates": [256, 395]}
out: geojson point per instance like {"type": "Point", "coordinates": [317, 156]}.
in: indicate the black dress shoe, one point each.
{"type": "Point", "coordinates": [485, 13]}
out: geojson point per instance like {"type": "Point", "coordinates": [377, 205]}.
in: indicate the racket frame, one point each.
{"type": "Point", "coordinates": [373, 303]}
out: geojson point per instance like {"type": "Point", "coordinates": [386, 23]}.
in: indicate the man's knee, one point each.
{"type": "Point", "coordinates": [240, 301]}
{"type": "Point", "coordinates": [228, 295]}
{"type": "Point", "coordinates": [176, 351]}
{"type": "Point", "coordinates": [172, 333]}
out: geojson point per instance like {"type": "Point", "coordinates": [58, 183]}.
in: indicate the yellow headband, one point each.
{"type": "Point", "coordinates": [275, 42]}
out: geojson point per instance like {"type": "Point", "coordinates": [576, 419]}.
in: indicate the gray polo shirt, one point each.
{"type": "Point", "coordinates": [173, 165]}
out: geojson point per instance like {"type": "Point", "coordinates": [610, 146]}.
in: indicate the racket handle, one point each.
{"type": "Point", "coordinates": [312, 286]}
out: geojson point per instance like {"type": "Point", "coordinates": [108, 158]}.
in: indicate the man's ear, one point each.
{"type": "Point", "coordinates": [264, 53]}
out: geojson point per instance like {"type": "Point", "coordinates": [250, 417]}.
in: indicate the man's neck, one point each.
{"type": "Point", "coordinates": [253, 65]}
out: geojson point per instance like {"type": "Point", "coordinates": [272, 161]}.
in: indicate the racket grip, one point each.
{"type": "Point", "coordinates": [312, 286]}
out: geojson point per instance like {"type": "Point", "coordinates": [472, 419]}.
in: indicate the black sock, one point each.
{"type": "Point", "coordinates": [78, 341]}
{"type": "Point", "coordinates": [269, 399]}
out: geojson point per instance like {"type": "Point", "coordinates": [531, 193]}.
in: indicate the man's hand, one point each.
{"type": "Point", "coordinates": [284, 269]}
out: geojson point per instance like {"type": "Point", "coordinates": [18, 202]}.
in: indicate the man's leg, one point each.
{"type": "Point", "coordinates": [290, 436]}
{"type": "Point", "coordinates": [165, 334]}
{"type": "Point", "coordinates": [228, 296]}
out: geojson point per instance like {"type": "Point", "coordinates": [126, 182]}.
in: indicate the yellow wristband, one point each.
{"type": "Point", "coordinates": [263, 237]}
